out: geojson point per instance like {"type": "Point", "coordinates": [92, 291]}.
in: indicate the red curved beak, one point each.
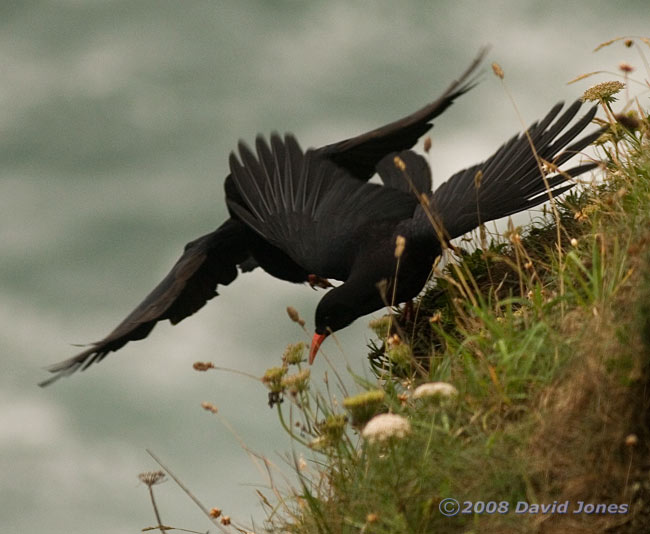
{"type": "Point", "coordinates": [315, 345]}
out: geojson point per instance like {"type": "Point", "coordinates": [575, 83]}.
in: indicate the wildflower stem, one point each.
{"type": "Point", "coordinates": [556, 214]}
{"type": "Point", "coordinates": [155, 510]}
{"type": "Point", "coordinates": [187, 491]}
{"type": "Point", "coordinates": [288, 429]}
{"type": "Point", "coordinates": [336, 373]}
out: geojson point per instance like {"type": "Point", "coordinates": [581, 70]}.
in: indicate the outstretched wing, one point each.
{"type": "Point", "coordinates": [206, 262]}
{"type": "Point", "coordinates": [360, 155]}
{"type": "Point", "coordinates": [308, 207]}
{"type": "Point", "coordinates": [510, 180]}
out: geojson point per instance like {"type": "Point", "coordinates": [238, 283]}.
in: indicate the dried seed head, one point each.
{"type": "Point", "coordinates": [294, 353]}
{"type": "Point", "coordinates": [581, 216]}
{"type": "Point", "coordinates": [225, 520]}
{"type": "Point", "coordinates": [400, 243]}
{"type": "Point", "coordinates": [436, 317]}
{"type": "Point", "coordinates": [274, 374]}
{"type": "Point", "coordinates": [386, 426]}
{"type": "Point", "coordinates": [514, 237]}
{"type": "Point", "coordinates": [318, 444]}
{"type": "Point", "coordinates": [628, 43]}
{"type": "Point", "coordinates": [215, 512]}
{"type": "Point", "coordinates": [302, 464]}
{"type": "Point", "coordinates": [372, 518]}
{"type": "Point", "coordinates": [393, 340]}
{"type": "Point", "coordinates": [203, 366]}
{"type": "Point", "coordinates": [496, 68]}
{"type": "Point", "coordinates": [548, 168]}
{"type": "Point", "coordinates": [399, 163]}
{"type": "Point", "coordinates": [297, 382]}
{"type": "Point", "coordinates": [574, 242]}
{"type": "Point", "coordinates": [294, 316]}
{"type": "Point", "coordinates": [435, 389]}
{"type": "Point", "coordinates": [631, 440]}
{"type": "Point", "coordinates": [603, 92]}
{"type": "Point", "coordinates": [625, 67]}
{"type": "Point", "coordinates": [151, 478]}
{"type": "Point", "coordinates": [208, 406]}
{"type": "Point", "coordinates": [427, 143]}
{"type": "Point", "coordinates": [273, 379]}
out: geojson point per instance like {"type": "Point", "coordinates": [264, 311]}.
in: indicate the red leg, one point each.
{"type": "Point", "coordinates": [316, 281]}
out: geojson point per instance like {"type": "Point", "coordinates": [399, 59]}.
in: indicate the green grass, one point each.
{"type": "Point", "coordinates": [545, 334]}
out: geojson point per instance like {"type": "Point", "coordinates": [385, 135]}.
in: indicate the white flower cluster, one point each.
{"type": "Point", "coordinates": [385, 426]}
{"type": "Point", "coordinates": [435, 389]}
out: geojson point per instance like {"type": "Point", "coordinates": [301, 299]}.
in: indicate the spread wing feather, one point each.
{"type": "Point", "coordinates": [510, 180]}
{"type": "Point", "coordinates": [360, 155]}
{"type": "Point", "coordinates": [307, 206]}
{"type": "Point", "coordinates": [206, 262]}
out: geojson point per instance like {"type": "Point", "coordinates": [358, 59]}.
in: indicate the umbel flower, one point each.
{"type": "Point", "coordinates": [435, 389]}
{"type": "Point", "coordinates": [296, 382]}
{"type": "Point", "coordinates": [273, 378]}
{"type": "Point", "coordinates": [151, 478]}
{"type": "Point", "coordinates": [386, 426]}
{"type": "Point", "coordinates": [603, 92]}
{"type": "Point", "coordinates": [294, 353]}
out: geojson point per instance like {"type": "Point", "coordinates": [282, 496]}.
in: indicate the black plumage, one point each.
{"type": "Point", "coordinates": [299, 214]}
{"type": "Point", "coordinates": [336, 228]}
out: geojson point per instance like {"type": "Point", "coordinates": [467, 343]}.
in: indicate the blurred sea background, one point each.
{"type": "Point", "coordinates": [116, 120]}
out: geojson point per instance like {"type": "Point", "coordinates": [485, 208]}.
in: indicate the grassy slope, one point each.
{"type": "Point", "coordinates": [547, 346]}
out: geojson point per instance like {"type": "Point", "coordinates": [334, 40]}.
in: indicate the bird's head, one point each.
{"type": "Point", "coordinates": [342, 306]}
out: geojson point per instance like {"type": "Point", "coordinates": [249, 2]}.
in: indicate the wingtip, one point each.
{"type": "Point", "coordinates": [52, 379]}
{"type": "Point", "coordinates": [480, 57]}
{"type": "Point", "coordinates": [70, 366]}
{"type": "Point", "coordinates": [60, 370]}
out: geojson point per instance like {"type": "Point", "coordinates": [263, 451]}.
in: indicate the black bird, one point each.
{"type": "Point", "coordinates": [331, 226]}
{"type": "Point", "coordinates": [309, 216]}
